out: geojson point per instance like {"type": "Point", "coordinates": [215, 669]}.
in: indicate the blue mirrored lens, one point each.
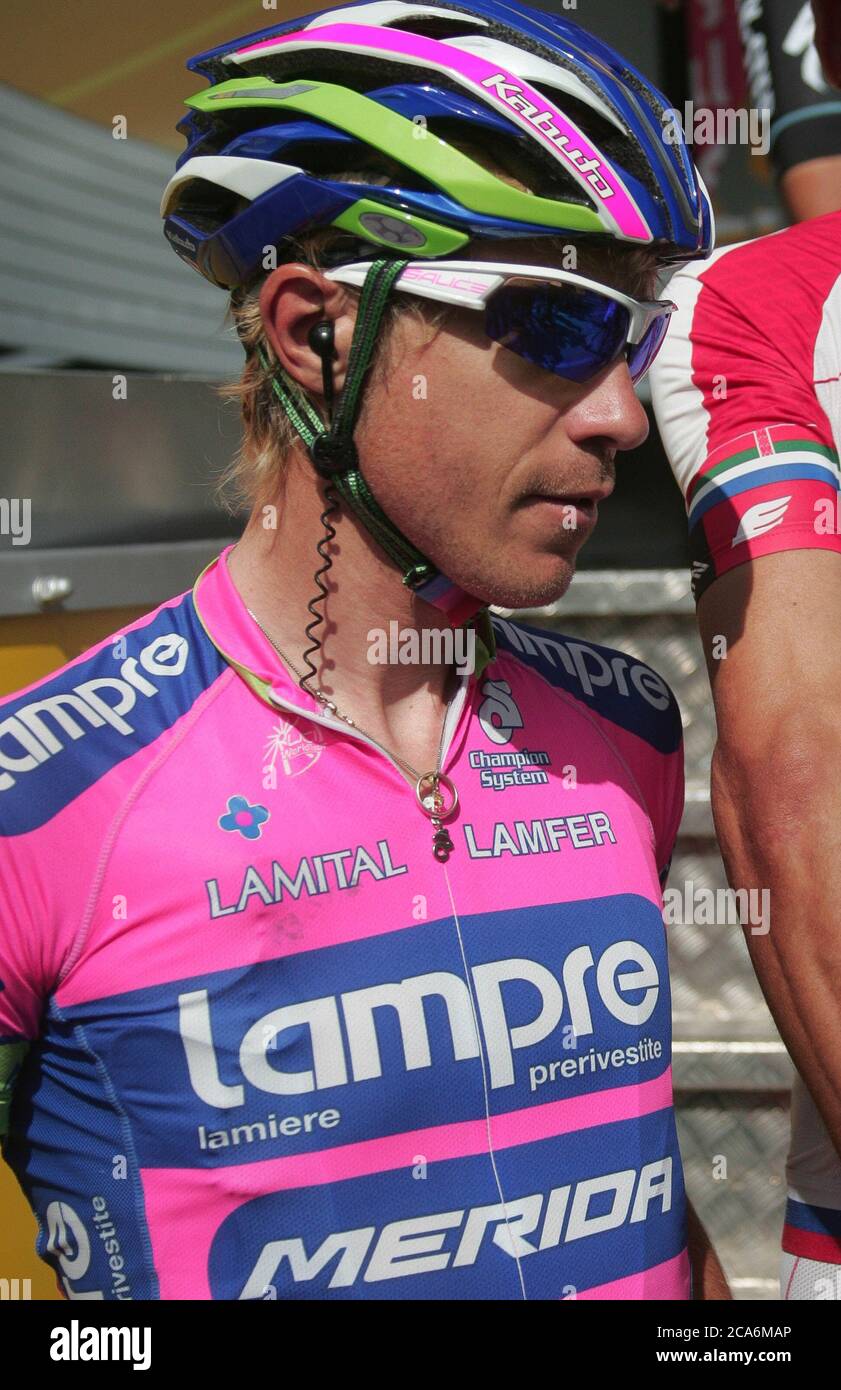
{"type": "Point", "coordinates": [567, 329]}
{"type": "Point", "coordinates": [642, 354]}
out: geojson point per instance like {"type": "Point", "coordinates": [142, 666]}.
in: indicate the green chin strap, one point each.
{"type": "Point", "coordinates": [332, 451]}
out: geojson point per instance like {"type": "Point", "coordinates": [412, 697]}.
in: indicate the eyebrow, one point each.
{"type": "Point", "coordinates": [639, 283]}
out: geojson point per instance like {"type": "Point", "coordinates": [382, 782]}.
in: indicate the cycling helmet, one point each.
{"type": "Point", "coordinates": [291, 104]}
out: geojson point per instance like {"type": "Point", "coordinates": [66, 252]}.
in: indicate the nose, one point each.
{"type": "Point", "coordinates": [609, 409]}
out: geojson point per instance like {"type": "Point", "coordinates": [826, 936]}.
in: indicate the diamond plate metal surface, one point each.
{"type": "Point", "coordinates": [732, 1074]}
{"type": "Point", "coordinates": [734, 1148]}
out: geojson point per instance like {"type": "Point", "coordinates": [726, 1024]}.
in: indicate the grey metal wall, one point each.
{"type": "Point", "coordinates": [85, 273]}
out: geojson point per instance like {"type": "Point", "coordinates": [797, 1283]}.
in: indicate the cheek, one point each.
{"type": "Point", "coordinates": [418, 433]}
{"type": "Point", "coordinates": [495, 405]}
{"type": "Point", "coordinates": [480, 412]}
{"type": "Point", "coordinates": [454, 418]}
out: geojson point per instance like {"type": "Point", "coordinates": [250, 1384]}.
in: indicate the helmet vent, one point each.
{"type": "Point", "coordinates": [600, 132]}
{"type": "Point", "coordinates": [206, 206]}
{"type": "Point", "coordinates": [437, 26]}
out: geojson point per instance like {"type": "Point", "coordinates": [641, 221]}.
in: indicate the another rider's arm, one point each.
{"type": "Point", "coordinates": [776, 790]}
{"type": "Point", "coordinates": [805, 125]}
{"type": "Point", "coordinates": [814, 186]}
{"type": "Point", "coordinates": [708, 1279]}
{"type": "Point", "coordinates": [740, 399]}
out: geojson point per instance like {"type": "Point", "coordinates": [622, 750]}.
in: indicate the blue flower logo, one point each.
{"type": "Point", "coordinates": [247, 819]}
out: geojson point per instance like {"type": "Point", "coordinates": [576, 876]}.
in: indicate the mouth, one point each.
{"type": "Point", "coordinates": [582, 506]}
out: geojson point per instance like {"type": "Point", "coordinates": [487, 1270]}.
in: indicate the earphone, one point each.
{"type": "Point", "coordinates": [321, 337]}
{"type": "Point", "coordinates": [321, 340]}
{"type": "Point", "coordinates": [330, 454]}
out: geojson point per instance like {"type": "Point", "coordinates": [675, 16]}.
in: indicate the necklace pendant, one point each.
{"type": "Point", "coordinates": [442, 845]}
{"type": "Point", "coordinates": [438, 799]}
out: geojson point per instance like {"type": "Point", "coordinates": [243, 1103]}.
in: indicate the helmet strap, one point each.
{"type": "Point", "coordinates": [334, 456]}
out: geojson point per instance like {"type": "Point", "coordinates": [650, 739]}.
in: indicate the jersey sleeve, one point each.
{"type": "Point", "coordinates": [745, 394]}
{"type": "Point", "coordinates": [657, 763]}
{"type": "Point", "coordinates": [632, 706]}
{"type": "Point", "coordinates": [20, 986]}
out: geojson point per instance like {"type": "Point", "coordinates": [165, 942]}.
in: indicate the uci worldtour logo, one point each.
{"type": "Point", "coordinates": [499, 716]}
{"type": "Point", "coordinates": [26, 738]}
{"type": "Point", "coordinates": [291, 749]}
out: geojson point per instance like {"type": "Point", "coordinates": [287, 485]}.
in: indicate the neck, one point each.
{"type": "Point", "coordinates": [273, 569]}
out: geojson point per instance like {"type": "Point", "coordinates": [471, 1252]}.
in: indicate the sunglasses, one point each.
{"type": "Point", "coordinates": [555, 319]}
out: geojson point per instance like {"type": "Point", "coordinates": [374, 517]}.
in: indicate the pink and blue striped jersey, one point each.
{"type": "Point", "coordinates": [256, 1042]}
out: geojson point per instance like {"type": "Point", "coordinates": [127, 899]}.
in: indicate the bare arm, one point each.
{"type": "Point", "coordinates": [708, 1278]}
{"type": "Point", "coordinates": [776, 789]}
{"type": "Point", "coordinates": [812, 188]}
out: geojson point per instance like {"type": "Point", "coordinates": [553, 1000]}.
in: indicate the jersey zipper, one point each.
{"type": "Point", "coordinates": [454, 712]}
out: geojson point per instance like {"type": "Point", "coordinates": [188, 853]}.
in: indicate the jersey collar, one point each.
{"type": "Point", "coordinates": [223, 614]}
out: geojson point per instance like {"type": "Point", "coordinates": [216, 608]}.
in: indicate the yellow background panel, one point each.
{"type": "Point", "coordinates": [32, 647]}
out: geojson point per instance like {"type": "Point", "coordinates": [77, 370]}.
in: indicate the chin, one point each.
{"type": "Point", "coordinates": [530, 590]}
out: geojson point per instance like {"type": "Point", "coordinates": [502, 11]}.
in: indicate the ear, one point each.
{"type": "Point", "coordinates": [293, 299]}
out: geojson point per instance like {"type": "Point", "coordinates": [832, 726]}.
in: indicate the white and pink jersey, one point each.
{"type": "Point", "coordinates": [747, 395]}
{"type": "Point", "coordinates": [747, 392]}
{"type": "Point", "coordinates": [256, 1041]}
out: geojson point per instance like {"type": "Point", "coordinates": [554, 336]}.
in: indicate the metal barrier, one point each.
{"type": "Point", "coordinates": [732, 1074]}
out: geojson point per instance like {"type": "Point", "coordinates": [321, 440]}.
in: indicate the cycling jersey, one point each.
{"type": "Point", "coordinates": [747, 397]}
{"type": "Point", "coordinates": [785, 78]}
{"type": "Point", "coordinates": [265, 1045]}
{"type": "Point", "coordinates": [747, 394]}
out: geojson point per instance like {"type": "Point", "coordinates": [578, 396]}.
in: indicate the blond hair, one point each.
{"type": "Point", "coordinates": [252, 477]}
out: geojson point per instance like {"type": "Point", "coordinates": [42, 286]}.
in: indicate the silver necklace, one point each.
{"type": "Point", "coordinates": [430, 787]}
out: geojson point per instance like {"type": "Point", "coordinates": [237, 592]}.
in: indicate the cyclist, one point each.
{"type": "Point", "coordinates": [766, 51]}
{"type": "Point", "coordinates": [354, 982]}
{"type": "Point", "coordinates": [747, 400]}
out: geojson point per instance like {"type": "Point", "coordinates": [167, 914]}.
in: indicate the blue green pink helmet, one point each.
{"type": "Point", "coordinates": [289, 104]}
{"type": "Point", "coordinates": [415, 87]}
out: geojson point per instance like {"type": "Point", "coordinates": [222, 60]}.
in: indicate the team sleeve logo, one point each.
{"type": "Point", "coordinates": [761, 518]}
